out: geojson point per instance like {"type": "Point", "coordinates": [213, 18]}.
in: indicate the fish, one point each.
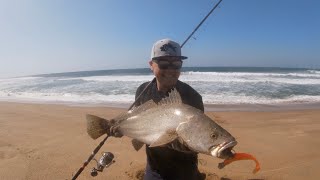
{"type": "Point", "coordinates": [165, 123]}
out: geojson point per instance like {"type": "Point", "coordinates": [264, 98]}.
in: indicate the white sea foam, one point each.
{"type": "Point", "coordinates": [314, 74]}
{"type": "Point", "coordinates": [242, 99]}
{"type": "Point", "coordinates": [67, 97]}
{"type": "Point", "coordinates": [137, 78]}
{"type": "Point", "coordinates": [214, 77]}
{"type": "Point", "coordinates": [247, 78]}
{"type": "Point", "coordinates": [215, 87]}
{"type": "Point", "coordinates": [128, 98]}
{"type": "Point", "coordinates": [314, 71]}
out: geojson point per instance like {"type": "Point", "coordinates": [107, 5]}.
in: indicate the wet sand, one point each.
{"type": "Point", "coordinates": [40, 141]}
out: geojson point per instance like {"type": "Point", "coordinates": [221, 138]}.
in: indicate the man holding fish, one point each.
{"type": "Point", "coordinates": [164, 162]}
{"type": "Point", "coordinates": [169, 118]}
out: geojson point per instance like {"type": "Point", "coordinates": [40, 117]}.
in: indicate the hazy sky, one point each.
{"type": "Point", "coordinates": [42, 36]}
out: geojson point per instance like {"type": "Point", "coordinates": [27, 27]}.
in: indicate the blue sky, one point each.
{"type": "Point", "coordinates": [39, 36]}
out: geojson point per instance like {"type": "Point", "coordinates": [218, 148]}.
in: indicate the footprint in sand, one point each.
{"type": "Point", "coordinates": [7, 151]}
{"type": "Point", "coordinates": [202, 162]}
{"type": "Point", "coordinates": [136, 172]}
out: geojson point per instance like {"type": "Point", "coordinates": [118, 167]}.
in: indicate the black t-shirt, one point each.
{"type": "Point", "coordinates": [169, 163]}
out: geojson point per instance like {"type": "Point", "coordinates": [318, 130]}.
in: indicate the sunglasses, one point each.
{"type": "Point", "coordinates": [168, 64]}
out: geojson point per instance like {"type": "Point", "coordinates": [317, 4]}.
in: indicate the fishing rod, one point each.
{"type": "Point", "coordinates": [200, 23]}
{"type": "Point", "coordinates": [107, 157]}
{"type": "Point", "coordinates": [104, 161]}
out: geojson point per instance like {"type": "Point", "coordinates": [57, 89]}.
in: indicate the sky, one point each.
{"type": "Point", "coordinates": [42, 36]}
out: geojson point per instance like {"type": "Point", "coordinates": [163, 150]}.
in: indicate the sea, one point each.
{"type": "Point", "coordinates": [222, 86]}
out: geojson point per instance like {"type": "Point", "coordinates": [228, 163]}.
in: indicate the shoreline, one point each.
{"type": "Point", "coordinates": [208, 107]}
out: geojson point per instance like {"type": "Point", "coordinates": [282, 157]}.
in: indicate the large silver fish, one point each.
{"type": "Point", "coordinates": [166, 122]}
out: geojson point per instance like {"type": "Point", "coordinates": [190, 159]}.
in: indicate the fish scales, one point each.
{"type": "Point", "coordinates": [169, 120]}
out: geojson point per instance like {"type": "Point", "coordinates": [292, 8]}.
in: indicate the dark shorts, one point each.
{"type": "Point", "coordinates": [151, 174]}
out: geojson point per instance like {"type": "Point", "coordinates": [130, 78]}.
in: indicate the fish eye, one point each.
{"type": "Point", "coordinates": [213, 135]}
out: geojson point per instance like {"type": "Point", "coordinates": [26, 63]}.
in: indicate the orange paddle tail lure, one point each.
{"type": "Point", "coordinates": [240, 156]}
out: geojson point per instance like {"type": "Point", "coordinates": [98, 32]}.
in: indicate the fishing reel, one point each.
{"type": "Point", "coordinates": [105, 161]}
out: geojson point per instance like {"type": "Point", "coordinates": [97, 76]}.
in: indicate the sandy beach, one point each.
{"type": "Point", "coordinates": [42, 141]}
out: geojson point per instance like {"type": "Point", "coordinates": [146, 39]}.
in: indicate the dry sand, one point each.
{"type": "Point", "coordinates": [50, 142]}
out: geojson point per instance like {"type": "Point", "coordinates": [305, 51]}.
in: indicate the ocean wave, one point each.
{"type": "Point", "coordinates": [250, 74]}
{"type": "Point", "coordinates": [95, 98]}
{"type": "Point", "coordinates": [112, 78]}
{"type": "Point", "coordinates": [239, 99]}
{"type": "Point", "coordinates": [249, 79]}
{"type": "Point", "coordinates": [215, 87]}
{"type": "Point", "coordinates": [314, 71]}
{"type": "Point", "coordinates": [224, 78]}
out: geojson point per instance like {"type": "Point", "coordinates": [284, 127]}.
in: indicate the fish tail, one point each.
{"type": "Point", "coordinates": [97, 126]}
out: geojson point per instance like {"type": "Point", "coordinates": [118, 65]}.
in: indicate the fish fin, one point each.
{"type": "Point", "coordinates": [166, 138]}
{"type": "Point", "coordinates": [137, 144]}
{"type": "Point", "coordinates": [143, 107]}
{"type": "Point", "coordinates": [173, 98]}
{"type": "Point", "coordinates": [96, 126]}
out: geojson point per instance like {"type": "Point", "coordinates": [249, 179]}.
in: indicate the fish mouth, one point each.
{"type": "Point", "coordinates": [219, 151]}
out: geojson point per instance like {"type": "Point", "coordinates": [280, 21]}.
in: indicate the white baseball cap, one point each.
{"type": "Point", "coordinates": [166, 48]}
